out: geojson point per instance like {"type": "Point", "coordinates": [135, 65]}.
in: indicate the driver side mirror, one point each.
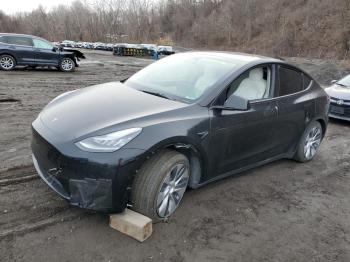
{"type": "Point", "coordinates": [234, 103]}
{"type": "Point", "coordinates": [54, 49]}
{"type": "Point", "coordinates": [237, 103]}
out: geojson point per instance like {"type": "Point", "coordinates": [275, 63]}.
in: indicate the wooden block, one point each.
{"type": "Point", "coordinates": [132, 224]}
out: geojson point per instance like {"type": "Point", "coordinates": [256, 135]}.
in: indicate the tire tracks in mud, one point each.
{"type": "Point", "coordinates": [18, 174]}
{"type": "Point", "coordinates": [25, 178]}
{"type": "Point", "coordinates": [28, 204]}
{"type": "Point", "coordinates": [27, 228]}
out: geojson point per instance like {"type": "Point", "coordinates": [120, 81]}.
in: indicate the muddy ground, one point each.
{"type": "Point", "coordinates": [283, 211]}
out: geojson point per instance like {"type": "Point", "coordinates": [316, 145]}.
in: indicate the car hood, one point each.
{"type": "Point", "coordinates": [88, 110]}
{"type": "Point", "coordinates": [338, 92]}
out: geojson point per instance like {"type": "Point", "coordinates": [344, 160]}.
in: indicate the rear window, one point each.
{"type": "Point", "coordinates": [17, 40]}
{"type": "Point", "coordinates": [290, 81]}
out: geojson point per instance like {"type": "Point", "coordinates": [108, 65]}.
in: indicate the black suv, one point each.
{"type": "Point", "coordinates": [18, 49]}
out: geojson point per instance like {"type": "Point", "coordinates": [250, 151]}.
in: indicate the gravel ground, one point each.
{"type": "Point", "coordinates": [283, 211]}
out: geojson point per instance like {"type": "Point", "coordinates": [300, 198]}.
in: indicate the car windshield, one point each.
{"type": "Point", "coordinates": [344, 81]}
{"type": "Point", "coordinates": [186, 77]}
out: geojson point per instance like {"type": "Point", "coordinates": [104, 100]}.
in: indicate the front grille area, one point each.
{"type": "Point", "coordinates": [48, 162]}
{"type": "Point", "coordinates": [54, 183]}
{"type": "Point", "coordinates": [60, 173]}
{"type": "Point", "coordinates": [337, 99]}
{"type": "Point", "coordinates": [339, 107]}
{"type": "Point", "coordinates": [340, 111]}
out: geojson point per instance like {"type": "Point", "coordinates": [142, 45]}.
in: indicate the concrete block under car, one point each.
{"type": "Point", "coordinates": [132, 224]}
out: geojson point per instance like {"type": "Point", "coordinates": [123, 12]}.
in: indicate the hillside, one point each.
{"type": "Point", "coordinates": [308, 28]}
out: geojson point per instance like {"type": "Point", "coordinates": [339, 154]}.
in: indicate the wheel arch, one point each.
{"type": "Point", "coordinates": [10, 54]}
{"type": "Point", "coordinates": [188, 148]}
{"type": "Point", "coordinates": [323, 125]}
{"type": "Point", "coordinates": [195, 158]}
{"type": "Point", "coordinates": [71, 56]}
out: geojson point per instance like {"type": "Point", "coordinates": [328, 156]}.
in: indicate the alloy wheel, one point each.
{"type": "Point", "coordinates": [67, 64]}
{"type": "Point", "coordinates": [7, 62]}
{"type": "Point", "coordinates": [172, 190]}
{"type": "Point", "coordinates": [312, 142]}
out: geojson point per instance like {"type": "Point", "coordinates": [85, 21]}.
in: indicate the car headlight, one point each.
{"type": "Point", "coordinates": [110, 142]}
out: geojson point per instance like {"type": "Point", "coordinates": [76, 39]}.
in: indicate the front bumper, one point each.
{"type": "Point", "coordinates": [339, 110]}
{"type": "Point", "coordinates": [94, 194]}
{"type": "Point", "coordinates": [96, 181]}
{"type": "Point", "coordinates": [339, 117]}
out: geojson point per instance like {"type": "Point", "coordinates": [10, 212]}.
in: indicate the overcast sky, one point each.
{"type": "Point", "coordinates": [13, 6]}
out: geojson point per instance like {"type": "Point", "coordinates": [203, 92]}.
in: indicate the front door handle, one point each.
{"type": "Point", "coordinates": [272, 111]}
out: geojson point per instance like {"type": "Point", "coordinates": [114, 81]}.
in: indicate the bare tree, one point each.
{"type": "Point", "coordinates": [318, 28]}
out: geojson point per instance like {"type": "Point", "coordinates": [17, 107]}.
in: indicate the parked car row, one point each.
{"type": "Point", "coordinates": [142, 50]}
{"type": "Point", "coordinates": [121, 48]}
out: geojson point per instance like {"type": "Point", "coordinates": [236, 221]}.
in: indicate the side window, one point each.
{"type": "Point", "coordinates": [4, 39]}
{"type": "Point", "coordinates": [307, 81]}
{"type": "Point", "coordinates": [18, 40]}
{"type": "Point", "coordinates": [42, 44]}
{"type": "Point", "coordinates": [290, 81]}
{"type": "Point", "coordinates": [252, 85]}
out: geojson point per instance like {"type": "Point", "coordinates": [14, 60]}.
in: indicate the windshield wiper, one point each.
{"type": "Point", "coordinates": [339, 84]}
{"type": "Point", "coordinates": [157, 94]}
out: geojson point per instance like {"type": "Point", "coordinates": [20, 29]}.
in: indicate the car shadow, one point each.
{"type": "Point", "coordinates": [42, 69]}
{"type": "Point", "coordinates": [339, 121]}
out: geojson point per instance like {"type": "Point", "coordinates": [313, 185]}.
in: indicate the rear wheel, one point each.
{"type": "Point", "coordinates": [160, 185]}
{"type": "Point", "coordinates": [67, 65]}
{"type": "Point", "coordinates": [309, 142]}
{"type": "Point", "coordinates": [7, 62]}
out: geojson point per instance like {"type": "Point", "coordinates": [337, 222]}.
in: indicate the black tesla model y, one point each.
{"type": "Point", "coordinates": [184, 121]}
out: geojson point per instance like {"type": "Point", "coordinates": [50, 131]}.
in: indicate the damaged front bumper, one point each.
{"type": "Point", "coordinates": [88, 180]}
{"type": "Point", "coordinates": [94, 194]}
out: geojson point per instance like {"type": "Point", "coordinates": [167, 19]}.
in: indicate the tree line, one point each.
{"type": "Point", "coordinates": [311, 28]}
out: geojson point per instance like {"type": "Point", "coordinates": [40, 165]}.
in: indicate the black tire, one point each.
{"type": "Point", "coordinates": [150, 179]}
{"type": "Point", "coordinates": [7, 62]}
{"type": "Point", "coordinates": [301, 155]}
{"type": "Point", "coordinates": [67, 64]}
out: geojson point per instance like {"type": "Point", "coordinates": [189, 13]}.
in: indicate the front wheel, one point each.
{"type": "Point", "coordinates": [160, 185]}
{"type": "Point", "coordinates": [67, 65]}
{"type": "Point", "coordinates": [309, 142]}
{"type": "Point", "coordinates": [7, 62]}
